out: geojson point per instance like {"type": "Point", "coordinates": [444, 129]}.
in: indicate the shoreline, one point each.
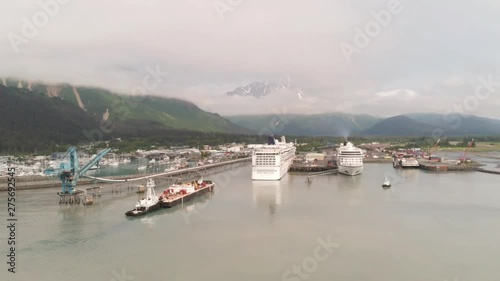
{"type": "Point", "coordinates": [377, 160]}
{"type": "Point", "coordinates": [39, 182]}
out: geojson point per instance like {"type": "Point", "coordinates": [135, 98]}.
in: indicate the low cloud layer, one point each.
{"type": "Point", "coordinates": [378, 57]}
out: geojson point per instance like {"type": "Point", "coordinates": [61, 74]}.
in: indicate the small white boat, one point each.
{"type": "Point", "coordinates": [170, 169]}
{"type": "Point", "coordinates": [386, 183]}
{"type": "Point", "coordinates": [95, 167]}
{"type": "Point", "coordinates": [147, 204]}
{"type": "Point", "coordinates": [142, 167]}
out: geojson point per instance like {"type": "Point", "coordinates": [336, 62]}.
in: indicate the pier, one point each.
{"type": "Point", "coordinates": [367, 160]}
{"type": "Point", "coordinates": [317, 166]}
{"type": "Point", "coordinates": [310, 169]}
{"type": "Point", "coordinates": [448, 166]}
{"type": "Point", "coordinates": [488, 171]}
{"type": "Point", "coordinates": [44, 182]}
{"type": "Point", "coordinates": [86, 196]}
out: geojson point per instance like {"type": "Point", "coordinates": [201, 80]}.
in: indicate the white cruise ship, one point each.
{"type": "Point", "coordinates": [349, 159]}
{"type": "Point", "coordinates": [271, 161]}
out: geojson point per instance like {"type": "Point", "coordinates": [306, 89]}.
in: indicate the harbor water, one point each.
{"type": "Point", "coordinates": [130, 169]}
{"type": "Point", "coordinates": [427, 226]}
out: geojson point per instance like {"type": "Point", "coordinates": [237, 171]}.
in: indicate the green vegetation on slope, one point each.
{"type": "Point", "coordinates": [33, 122]}
{"type": "Point", "coordinates": [170, 112]}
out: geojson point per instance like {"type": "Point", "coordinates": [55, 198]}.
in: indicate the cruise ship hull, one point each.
{"type": "Point", "coordinates": [271, 162]}
{"type": "Point", "coordinates": [272, 173]}
{"type": "Point", "coordinates": [351, 171]}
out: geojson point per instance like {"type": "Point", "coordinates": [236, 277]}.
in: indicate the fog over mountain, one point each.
{"type": "Point", "coordinates": [413, 60]}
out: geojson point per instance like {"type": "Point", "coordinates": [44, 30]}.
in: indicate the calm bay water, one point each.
{"type": "Point", "coordinates": [128, 169]}
{"type": "Point", "coordinates": [428, 226]}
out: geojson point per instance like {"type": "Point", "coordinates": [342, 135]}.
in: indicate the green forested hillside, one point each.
{"type": "Point", "coordinates": [171, 112]}
{"type": "Point", "coordinates": [31, 122]}
{"type": "Point", "coordinates": [47, 116]}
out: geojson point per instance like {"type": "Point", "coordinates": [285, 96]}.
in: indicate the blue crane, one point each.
{"type": "Point", "coordinates": [70, 172]}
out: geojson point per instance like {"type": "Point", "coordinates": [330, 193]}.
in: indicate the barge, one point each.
{"type": "Point", "coordinates": [449, 165]}
{"type": "Point", "coordinates": [180, 193]}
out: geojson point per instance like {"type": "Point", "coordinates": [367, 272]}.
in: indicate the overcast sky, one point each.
{"type": "Point", "coordinates": [426, 58]}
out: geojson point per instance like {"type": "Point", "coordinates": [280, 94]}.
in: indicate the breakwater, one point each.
{"type": "Point", "coordinates": [483, 170]}
{"type": "Point", "coordinates": [35, 182]}
{"type": "Point", "coordinates": [448, 166]}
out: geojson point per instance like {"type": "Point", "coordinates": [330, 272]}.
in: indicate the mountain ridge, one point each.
{"type": "Point", "coordinates": [262, 89]}
{"type": "Point", "coordinates": [343, 124]}
{"type": "Point", "coordinates": [103, 104]}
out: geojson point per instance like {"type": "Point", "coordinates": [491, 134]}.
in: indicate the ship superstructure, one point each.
{"type": "Point", "coordinates": [349, 159]}
{"type": "Point", "coordinates": [271, 161]}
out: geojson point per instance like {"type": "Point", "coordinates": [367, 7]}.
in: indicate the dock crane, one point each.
{"type": "Point", "coordinates": [69, 173]}
{"type": "Point", "coordinates": [432, 151]}
{"type": "Point", "coordinates": [463, 157]}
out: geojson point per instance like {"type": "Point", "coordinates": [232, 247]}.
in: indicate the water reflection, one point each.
{"type": "Point", "coordinates": [400, 176]}
{"type": "Point", "coordinates": [75, 228]}
{"type": "Point", "coordinates": [349, 182]}
{"type": "Point", "coordinates": [490, 161]}
{"type": "Point", "coordinates": [150, 222]}
{"type": "Point", "coordinates": [351, 186]}
{"type": "Point", "coordinates": [267, 194]}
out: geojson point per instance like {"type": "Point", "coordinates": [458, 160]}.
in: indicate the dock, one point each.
{"type": "Point", "coordinates": [37, 182]}
{"type": "Point", "coordinates": [488, 171]}
{"type": "Point", "coordinates": [86, 196]}
{"type": "Point", "coordinates": [315, 167]}
{"type": "Point", "coordinates": [309, 169]}
{"type": "Point", "coordinates": [377, 160]}
{"type": "Point", "coordinates": [177, 173]}
{"type": "Point", "coordinates": [448, 166]}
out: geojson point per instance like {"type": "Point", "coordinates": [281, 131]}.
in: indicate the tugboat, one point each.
{"type": "Point", "coordinates": [386, 183]}
{"type": "Point", "coordinates": [146, 204]}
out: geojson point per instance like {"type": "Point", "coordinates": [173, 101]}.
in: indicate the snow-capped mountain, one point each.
{"type": "Point", "coordinates": [261, 89]}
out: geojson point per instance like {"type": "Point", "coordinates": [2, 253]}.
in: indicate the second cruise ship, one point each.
{"type": "Point", "coordinates": [349, 159]}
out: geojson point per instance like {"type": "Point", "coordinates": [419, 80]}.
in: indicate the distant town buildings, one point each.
{"type": "Point", "coordinates": [315, 156]}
